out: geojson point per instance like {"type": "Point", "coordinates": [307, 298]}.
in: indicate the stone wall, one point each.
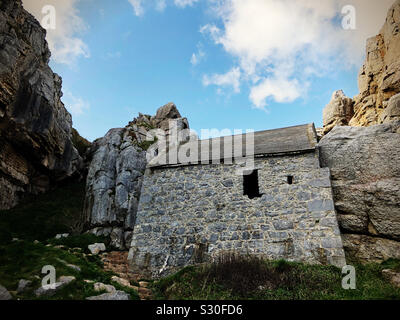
{"type": "Point", "coordinates": [192, 214]}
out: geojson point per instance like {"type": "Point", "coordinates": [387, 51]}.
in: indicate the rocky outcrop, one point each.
{"type": "Point", "coordinates": [35, 128]}
{"type": "Point", "coordinates": [365, 170]}
{"type": "Point", "coordinates": [115, 174]}
{"type": "Point", "coordinates": [367, 249]}
{"type": "Point", "coordinates": [379, 78]}
{"type": "Point", "coordinates": [338, 112]}
{"type": "Point", "coordinates": [378, 82]}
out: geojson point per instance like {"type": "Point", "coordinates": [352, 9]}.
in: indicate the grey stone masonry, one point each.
{"type": "Point", "coordinates": [193, 214]}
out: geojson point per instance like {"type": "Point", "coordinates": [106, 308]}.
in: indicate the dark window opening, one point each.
{"type": "Point", "coordinates": [290, 179]}
{"type": "Point", "coordinates": [250, 185]}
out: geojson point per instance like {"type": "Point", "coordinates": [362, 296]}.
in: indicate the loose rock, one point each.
{"type": "Point", "coordinates": [96, 248]}
{"type": "Point", "coordinates": [117, 295]}
{"type": "Point", "coordinates": [23, 285]}
{"type": "Point", "coordinates": [52, 289]}
{"type": "Point", "coordinates": [4, 294]}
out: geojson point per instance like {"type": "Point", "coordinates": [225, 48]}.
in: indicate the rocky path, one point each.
{"type": "Point", "coordinates": [117, 262]}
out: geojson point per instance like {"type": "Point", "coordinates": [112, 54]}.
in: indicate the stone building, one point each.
{"type": "Point", "coordinates": [281, 208]}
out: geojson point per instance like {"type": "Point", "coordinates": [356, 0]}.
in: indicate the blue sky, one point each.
{"type": "Point", "coordinates": [225, 64]}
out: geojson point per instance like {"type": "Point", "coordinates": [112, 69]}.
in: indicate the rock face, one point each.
{"type": "Point", "coordinates": [35, 129]}
{"type": "Point", "coordinates": [392, 276]}
{"type": "Point", "coordinates": [379, 78]}
{"type": "Point", "coordinates": [365, 170]}
{"type": "Point", "coordinates": [367, 249]}
{"type": "Point", "coordinates": [115, 174]}
{"type": "Point", "coordinates": [378, 81]}
{"type": "Point", "coordinates": [338, 112]}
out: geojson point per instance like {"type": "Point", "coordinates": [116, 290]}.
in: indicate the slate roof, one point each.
{"type": "Point", "coordinates": [300, 138]}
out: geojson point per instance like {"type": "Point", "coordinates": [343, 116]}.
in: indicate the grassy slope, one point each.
{"type": "Point", "coordinates": [24, 260]}
{"type": "Point", "coordinates": [278, 280]}
{"type": "Point", "coordinates": [41, 219]}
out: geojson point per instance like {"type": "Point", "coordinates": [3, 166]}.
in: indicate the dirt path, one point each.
{"type": "Point", "coordinates": [117, 262]}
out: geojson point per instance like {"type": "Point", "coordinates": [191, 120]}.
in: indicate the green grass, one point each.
{"type": "Point", "coordinates": [256, 279]}
{"type": "Point", "coordinates": [44, 216]}
{"type": "Point", "coordinates": [25, 260]}
{"type": "Point", "coordinates": [79, 241]}
{"type": "Point", "coordinates": [41, 218]}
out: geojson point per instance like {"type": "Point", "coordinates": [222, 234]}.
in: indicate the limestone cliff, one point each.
{"type": "Point", "coordinates": [36, 149]}
{"type": "Point", "coordinates": [378, 81]}
{"type": "Point", "coordinates": [115, 174]}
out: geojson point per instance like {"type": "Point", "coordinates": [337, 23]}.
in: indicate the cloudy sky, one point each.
{"type": "Point", "coordinates": [227, 64]}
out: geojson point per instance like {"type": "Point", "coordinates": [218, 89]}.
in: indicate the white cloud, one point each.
{"type": "Point", "coordinates": [161, 5]}
{"type": "Point", "coordinates": [137, 7]}
{"type": "Point", "coordinates": [140, 6]}
{"type": "Point", "coordinates": [185, 3]}
{"type": "Point", "coordinates": [77, 106]}
{"type": "Point", "coordinates": [229, 79]}
{"type": "Point", "coordinates": [198, 56]}
{"type": "Point", "coordinates": [281, 90]}
{"type": "Point", "coordinates": [64, 42]}
{"type": "Point", "coordinates": [281, 44]}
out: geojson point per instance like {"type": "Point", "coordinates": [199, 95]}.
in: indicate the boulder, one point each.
{"type": "Point", "coordinates": [23, 285]}
{"type": "Point", "coordinates": [117, 239]}
{"type": "Point", "coordinates": [37, 151]}
{"type": "Point", "coordinates": [60, 236]}
{"type": "Point", "coordinates": [4, 294]}
{"type": "Point", "coordinates": [96, 248]}
{"type": "Point", "coordinates": [120, 281]}
{"type": "Point", "coordinates": [392, 111]}
{"type": "Point", "coordinates": [392, 276]}
{"type": "Point", "coordinates": [365, 172]}
{"type": "Point", "coordinates": [367, 249]}
{"type": "Point", "coordinates": [51, 289]}
{"type": "Point", "coordinates": [117, 295]}
{"type": "Point", "coordinates": [98, 286]}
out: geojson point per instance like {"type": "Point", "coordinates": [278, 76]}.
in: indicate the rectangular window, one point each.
{"type": "Point", "coordinates": [250, 185]}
